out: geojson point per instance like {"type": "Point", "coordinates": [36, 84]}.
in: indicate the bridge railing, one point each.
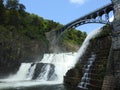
{"type": "Point", "coordinates": [87, 19]}
{"type": "Point", "coordinates": [83, 17]}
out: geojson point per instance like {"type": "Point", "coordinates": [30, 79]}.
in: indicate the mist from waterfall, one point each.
{"type": "Point", "coordinates": [85, 44]}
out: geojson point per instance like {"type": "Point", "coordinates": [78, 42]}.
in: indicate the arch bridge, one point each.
{"type": "Point", "coordinates": [93, 17]}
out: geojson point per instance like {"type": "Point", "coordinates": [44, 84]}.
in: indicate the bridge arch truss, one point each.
{"type": "Point", "coordinates": [93, 17]}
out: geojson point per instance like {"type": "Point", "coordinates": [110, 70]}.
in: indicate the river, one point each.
{"type": "Point", "coordinates": [42, 87]}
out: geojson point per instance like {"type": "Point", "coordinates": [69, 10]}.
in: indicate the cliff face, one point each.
{"type": "Point", "coordinates": [63, 41]}
{"type": "Point", "coordinates": [100, 46]}
{"type": "Point", "coordinates": [15, 48]}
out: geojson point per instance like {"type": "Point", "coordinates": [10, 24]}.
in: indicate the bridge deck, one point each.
{"type": "Point", "coordinates": [89, 18]}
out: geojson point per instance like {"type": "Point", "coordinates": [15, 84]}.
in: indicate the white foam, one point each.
{"type": "Point", "coordinates": [62, 63]}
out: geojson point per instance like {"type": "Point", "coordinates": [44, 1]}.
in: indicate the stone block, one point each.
{"type": "Point", "coordinates": [116, 26]}
{"type": "Point", "coordinates": [109, 83]}
{"type": "Point", "coordinates": [116, 42]}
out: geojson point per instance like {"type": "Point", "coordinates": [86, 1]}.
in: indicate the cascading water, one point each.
{"type": "Point", "coordinates": [55, 66]}
{"type": "Point", "coordinates": [45, 70]}
{"type": "Point", "coordinates": [22, 73]}
{"type": "Point", "coordinates": [31, 71]}
{"type": "Point", "coordinates": [86, 43]}
{"type": "Point", "coordinates": [51, 70]}
{"type": "Point", "coordinates": [86, 79]}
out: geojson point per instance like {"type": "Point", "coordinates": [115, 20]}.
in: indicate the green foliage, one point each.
{"type": "Point", "coordinates": [74, 36]}
{"type": "Point", "coordinates": [12, 4]}
{"type": "Point", "coordinates": [13, 17]}
{"type": "Point", "coordinates": [2, 12]}
{"type": "Point", "coordinates": [78, 66]}
{"type": "Point", "coordinates": [51, 25]}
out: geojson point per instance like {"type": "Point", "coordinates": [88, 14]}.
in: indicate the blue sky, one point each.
{"type": "Point", "coordinates": [64, 11]}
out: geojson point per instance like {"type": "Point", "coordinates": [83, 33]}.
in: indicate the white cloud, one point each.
{"type": "Point", "coordinates": [78, 1]}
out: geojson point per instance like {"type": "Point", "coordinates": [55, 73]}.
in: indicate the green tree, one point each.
{"type": "Point", "coordinates": [2, 12]}
{"type": "Point", "coordinates": [14, 18]}
{"type": "Point", "coordinates": [12, 4]}
{"type": "Point", "coordinates": [21, 8]}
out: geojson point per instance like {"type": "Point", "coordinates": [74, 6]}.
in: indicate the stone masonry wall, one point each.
{"type": "Point", "coordinates": [101, 48]}
{"type": "Point", "coordinates": [112, 78]}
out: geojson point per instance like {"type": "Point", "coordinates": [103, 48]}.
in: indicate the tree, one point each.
{"type": "Point", "coordinates": [14, 18]}
{"type": "Point", "coordinates": [15, 5]}
{"type": "Point", "coordinates": [12, 4]}
{"type": "Point", "coordinates": [21, 8]}
{"type": "Point", "coordinates": [2, 12]}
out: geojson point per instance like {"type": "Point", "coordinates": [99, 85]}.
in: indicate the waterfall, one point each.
{"type": "Point", "coordinates": [22, 72]}
{"type": "Point", "coordinates": [85, 44]}
{"type": "Point", "coordinates": [51, 68]}
{"type": "Point", "coordinates": [86, 79]}
{"type": "Point", "coordinates": [43, 76]}
{"type": "Point", "coordinates": [31, 71]}
{"type": "Point", "coordinates": [55, 66]}
{"type": "Point", "coordinates": [25, 72]}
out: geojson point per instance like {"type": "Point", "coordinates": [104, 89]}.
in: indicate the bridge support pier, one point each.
{"type": "Point", "coordinates": [112, 78]}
